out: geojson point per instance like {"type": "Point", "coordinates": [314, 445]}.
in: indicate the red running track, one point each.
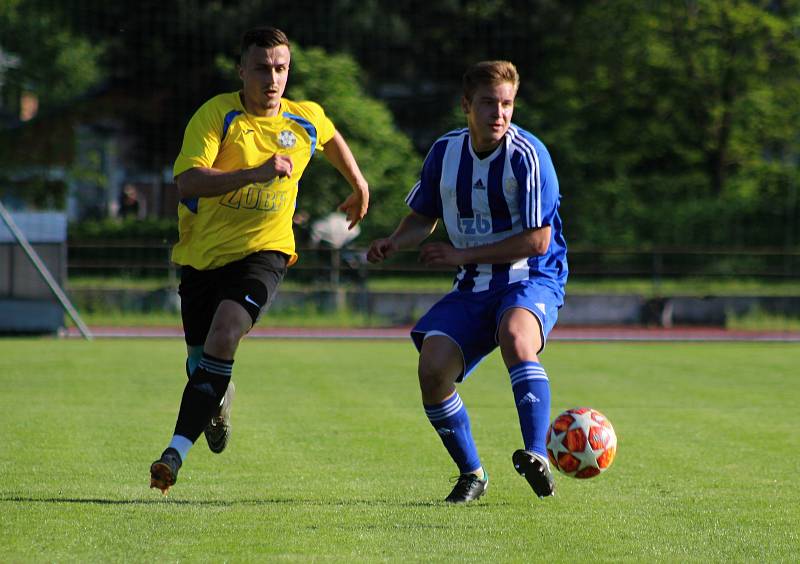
{"type": "Point", "coordinates": [700, 334]}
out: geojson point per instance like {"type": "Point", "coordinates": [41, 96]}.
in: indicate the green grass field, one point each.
{"type": "Point", "coordinates": [332, 458]}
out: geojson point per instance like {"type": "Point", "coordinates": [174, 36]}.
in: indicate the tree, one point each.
{"type": "Point", "coordinates": [46, 63]}
{"type": "Point", "coordinates": [669, 122]}
{"type": "Point", "coordinates": [54, 63]}
{"type": "Point", "coordinates": [670, 118]}
{"type": "Point", "coordinates": [51, 64]}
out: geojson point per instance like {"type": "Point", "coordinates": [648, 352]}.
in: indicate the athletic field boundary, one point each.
{"type": "Point", "coordinates": [633, 334]}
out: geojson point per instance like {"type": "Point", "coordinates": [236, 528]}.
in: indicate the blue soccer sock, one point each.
{"type": "Point", "coordinates": [532, 396]}
{"type": "Point", "coordinates": [193, 358]}
{"type": "Point", "coordinates": [451, 422]}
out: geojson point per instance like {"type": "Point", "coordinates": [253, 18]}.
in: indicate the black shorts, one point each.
{"type": "Point", "coordinates": [251, 282]}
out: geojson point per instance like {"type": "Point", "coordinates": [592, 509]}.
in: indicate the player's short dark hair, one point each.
{"type": "Point", "coordinates": [489, 73]}
{"type": "Point", "coordinates": [262, 37]}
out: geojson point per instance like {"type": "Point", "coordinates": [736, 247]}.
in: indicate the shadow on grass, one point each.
{"type": "Point", "coordinates": [236, 502]}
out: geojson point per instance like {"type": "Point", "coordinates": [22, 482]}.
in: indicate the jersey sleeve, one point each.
{"type": "Point", "coordinates": [314, 113]}
{"type": "Point", "coordinates": [425, 197]}
{"type": "Point", "coordinates": [538, 186]}
{"type": "Point", "coordinates": [201, 140]}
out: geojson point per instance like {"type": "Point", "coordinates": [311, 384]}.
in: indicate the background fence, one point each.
{"type": "Point", "coordinates": [661, 287]}
{"type": "Point", "coordinates": [142, 259]}
{"type": "Point", "coordinates": [674, 126]}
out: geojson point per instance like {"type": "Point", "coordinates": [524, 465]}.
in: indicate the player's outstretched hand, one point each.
{"type": "Point", "coordinates": [355, 206]}
{"type": "Point", "coordinates": [381, 249]}
{"type": "Point", "coordinates": [440, 254]}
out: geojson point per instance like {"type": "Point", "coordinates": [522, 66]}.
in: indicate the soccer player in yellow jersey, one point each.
{"type": "Point", "coordinates": [237, 173]}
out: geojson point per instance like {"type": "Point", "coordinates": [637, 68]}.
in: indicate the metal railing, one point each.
{"type": "Point", "coordinates": [152, 259]}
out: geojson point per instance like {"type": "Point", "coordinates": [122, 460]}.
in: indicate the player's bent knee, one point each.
{"type": "Point", "coordinates": [222, 341]}
{"type": "Point", "coordinates": [440, 365]}
{"type": "Point", "coordinates": [231, 323]}
{"type": "Point", "coordinates": [523, 343]}
{"type": "Point", "coordinates": [520, 336]}
{"type": "Point", "coordinates": [520, 350]}
{"type": "Point", "coordinates": [435, 380]}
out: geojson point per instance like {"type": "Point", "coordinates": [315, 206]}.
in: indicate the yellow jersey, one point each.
{"type": "Point", "coordinates": [214, 231]}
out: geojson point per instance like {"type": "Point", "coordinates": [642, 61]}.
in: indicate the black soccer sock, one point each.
{"type": "Point", "coordinates": [202, 395]}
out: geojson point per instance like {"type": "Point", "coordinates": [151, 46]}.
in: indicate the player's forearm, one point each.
{"type": "Point", "coordinates": [412, 230]}
{"type": "Point", "coordinates": [341, 157]}
{"type": "Point", "coordinates": [531, 242]}
{"type": "Point", "coordinates": [206, 182]}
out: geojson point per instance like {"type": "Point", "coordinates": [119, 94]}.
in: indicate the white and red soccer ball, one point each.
{"type": "Point", "coordinates": [581, 442]}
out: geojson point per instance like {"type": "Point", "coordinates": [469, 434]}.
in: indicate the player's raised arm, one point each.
{"type": "Point", "coordinates": [202, 182]}
{"type": "Point", "coordinates": [411, 231]}
{"type": "Point", "coordinates": [339, 155]}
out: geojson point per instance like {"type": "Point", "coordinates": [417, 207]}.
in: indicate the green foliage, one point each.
{"type": "Point", "coordinates": [33, 193]}
{"type": "Point", "coordinates": [384, 153]}
{"type": "Point", "coordinates": [111, 229]}
{"type": "Point", "coordinates": [332, 458]}
{"type": "Point", "coordinates": [676, 123]}
{"type": "Point", "coordinates": [56, 64]}
{"type": "Point", "coordinates": [759, 320]}
{"type": "Point", "coordinates": [670, 123]}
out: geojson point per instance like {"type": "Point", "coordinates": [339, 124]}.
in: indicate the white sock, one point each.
{"type": "Point", "coordinates": [181, 444]}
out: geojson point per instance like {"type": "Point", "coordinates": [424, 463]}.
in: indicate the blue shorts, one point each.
{"type": "Point", "coordinates": [471, 319]}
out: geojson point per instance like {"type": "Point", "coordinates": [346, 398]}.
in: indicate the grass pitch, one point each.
{"type": "Point", "coordinates": [332, 458]}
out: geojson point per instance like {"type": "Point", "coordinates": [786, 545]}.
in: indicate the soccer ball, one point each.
{"type": "Point", "coordinates": [581, 442]}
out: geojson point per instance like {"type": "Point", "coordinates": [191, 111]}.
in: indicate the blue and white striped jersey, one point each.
{"type": "Point", "coordinates": [482, 201]}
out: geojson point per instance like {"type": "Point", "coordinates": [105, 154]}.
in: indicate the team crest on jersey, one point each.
{"type": "Point", "coordinates": [286, 139]}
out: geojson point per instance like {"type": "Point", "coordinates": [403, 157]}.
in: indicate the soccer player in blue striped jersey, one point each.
{"type": "Point", "coordinates": [494, 187]}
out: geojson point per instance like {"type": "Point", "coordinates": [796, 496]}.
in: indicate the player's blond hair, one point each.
{"type": "Point", "coordinates": [489, 73]}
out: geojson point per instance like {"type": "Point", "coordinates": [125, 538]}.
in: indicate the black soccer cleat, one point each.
{"type": "Point", "coordinates": [468, 488]}
{"type": "Point", "coordinates": [164, 471]}
{"type": "Point", "coordinates": [218, 430]}
{"type": "Point", "coordinates": [536, 470]}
